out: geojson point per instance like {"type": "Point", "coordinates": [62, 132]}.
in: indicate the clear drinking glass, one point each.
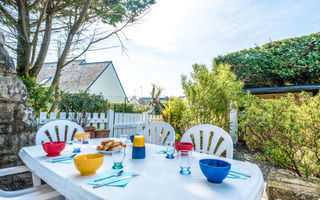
{"type": "Point", "coordinates": [184, 160]}
{"type": "Point", "coordinates": [124, 138]}
{"type": "Point", "coordinates": [118, 157]}
{"type": "Point", "coordinates": [77, 143]}
{"type": "Point", "coordinates": [169, 150]}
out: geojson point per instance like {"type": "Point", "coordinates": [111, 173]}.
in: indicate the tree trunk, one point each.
{"type": "Point", "coordinates": [67, 46]}
{"type": "Point", "coordinates": [44, 45]}
{"type": "Point", "coordinates": [23, 46]}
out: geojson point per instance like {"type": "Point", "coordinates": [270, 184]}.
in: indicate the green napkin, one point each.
{"type": "Point", "coordinates": [121, 183]}
{"type": "Point", "coordinates": [236, 176]}
{"type": "Point", "coordinates": [161, 151]}
{"type": "Point", "coordinates": [68, 161]}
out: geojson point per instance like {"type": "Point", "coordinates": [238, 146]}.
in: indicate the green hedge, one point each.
{"type": "Point", "coordinates": [291, 61]}
{"type": "Point", "coordinates": [86, 102]}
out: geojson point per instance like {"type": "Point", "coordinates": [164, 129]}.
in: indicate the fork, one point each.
{"type": "Point", "coordinates": [63, 159]}
{"type": "Point", "coordinates": [114, 181]}
{"type": "Point", "coordinates": [115, 175]}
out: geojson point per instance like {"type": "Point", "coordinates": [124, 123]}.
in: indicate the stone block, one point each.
{"type": "Point", "coordinates": [9, 144]}
{"type": "Point", "coordinates": [6, 62]}
{"type": "Point", "coordinates": [12, 89]}
{"type": "Point", "coordinates": [6, 112]}
{"type": "Point", "coordinates": [25, 118]}
{"type": "Point", "coordinates": [283, 186]}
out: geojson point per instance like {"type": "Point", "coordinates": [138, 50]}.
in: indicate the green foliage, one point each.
{"type": "Point", "coordinates": [285, 62]}
{"type": "Point", "coordinates": [85, 102]}
{"type": "Point", "coordinates": [209, 93]}
{"type": "Point", "coordinates": [82, 102]}
{"type": "Point", "coordinates": [126, 108]}
{"type": "Point", "coordinates": [176, 111]}
{"type": "Point", "coordinates": [122, 10]}
{"type": "Point", "coordinates": [38, 96]}
{"type": "Point", "coordinates": [285, 132]}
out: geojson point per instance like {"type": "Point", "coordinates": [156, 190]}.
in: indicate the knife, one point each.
{"type": "Point", "coordinates": [114, 181]}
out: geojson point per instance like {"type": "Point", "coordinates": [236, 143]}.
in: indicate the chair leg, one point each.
{"type": "Point", "coordinates": [35, 180]}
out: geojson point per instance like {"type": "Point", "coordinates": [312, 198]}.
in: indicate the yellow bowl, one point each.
{"type": "Point", "coordinates": [84, 136]}
{"type": "Point", "coordinates": [88, 164]}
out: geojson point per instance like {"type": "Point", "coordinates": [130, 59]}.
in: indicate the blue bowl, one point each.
{"type": "Point", "coordinates": [131, 138]}
{"type": "Point", "coordinates": [215, 170]}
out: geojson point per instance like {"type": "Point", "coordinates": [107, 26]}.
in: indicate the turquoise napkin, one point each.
{"type": "Point", "coordinates": [121, 183]}
{"type": "Point", "coordinates": [236, 176]}
{"type": "Point", "coordinates": [161, 151]}
{"type": "Point", "coordinates": [69, 161]}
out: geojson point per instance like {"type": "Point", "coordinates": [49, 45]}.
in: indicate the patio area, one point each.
{"type": "Point", "coordinates": [146, 99]}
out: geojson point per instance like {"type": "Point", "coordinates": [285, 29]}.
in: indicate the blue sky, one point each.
{"type": "Point", "coordinates": [178, 33]}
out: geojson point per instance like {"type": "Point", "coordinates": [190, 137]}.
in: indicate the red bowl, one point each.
{"type": "Point", "coordinates": [53, 148]}
{"type": "Point", "coordinates": [183, 146]}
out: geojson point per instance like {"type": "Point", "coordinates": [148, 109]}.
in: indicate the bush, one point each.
{"type": "Point", "coordinates": [285, 62]}
{"type": "Point", "coordinates": [285, 132]}
{"type": "Point", "coordinates": [176, 111]}
{"type": "Point", "coordinates": [127, 108]}
{"type": "Point", "coordinates": [39, 97]}
{"type": "Point", "coordinates": [208, 95]}
{"type": "Point", "coordinates": [82, 102]}
{"type": "Point", "coordinates": [85, 102]}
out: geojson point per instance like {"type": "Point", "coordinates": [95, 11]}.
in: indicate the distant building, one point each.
{"type": "Point", "coordinates": [144, 101]}
{"type": "Point", "coordinates": [94, 77]}
{"type": "Point", "coordinates": [134, 100]}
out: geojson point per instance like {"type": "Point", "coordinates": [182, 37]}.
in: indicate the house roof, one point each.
{"type": "Point", "coordinates": [292, 88]}
{"type": "Point", "coordinates": [75, 77]}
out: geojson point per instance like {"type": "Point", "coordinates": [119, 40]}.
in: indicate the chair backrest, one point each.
{"type": "Point", "coordinates": [159, 133]}
{"type": "Point", "coordinates": [215, 140]}
{"type": "Point", "coordinates": [58, 130]}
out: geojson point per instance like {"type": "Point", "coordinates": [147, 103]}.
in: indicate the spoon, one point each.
{"type": "Point", "coordinates": [115, 175]}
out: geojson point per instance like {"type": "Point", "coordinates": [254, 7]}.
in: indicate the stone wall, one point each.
{"type": "Point", "coordinates": [283, 186]}
{"type": "Point", "coordinates": [17, 119]}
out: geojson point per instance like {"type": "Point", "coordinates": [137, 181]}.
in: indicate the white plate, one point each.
{"type": "Point", "coordinates": [105, 152]}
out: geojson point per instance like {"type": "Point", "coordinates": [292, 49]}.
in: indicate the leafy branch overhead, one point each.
{"type": "Point", "coordinates": [67, 28]}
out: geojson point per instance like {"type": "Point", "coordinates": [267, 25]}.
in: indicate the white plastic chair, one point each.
{"type": "Point", "coordinates": [36, 192]}
{"type": "Point", "coordinates": [159, 133]}
{"type": "Point", "coordinates": [209, 131]}
{"type": "Point", "coordinates": [58, 130]}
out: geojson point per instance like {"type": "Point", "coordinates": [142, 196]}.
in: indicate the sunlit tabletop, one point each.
{"type": "Point", "coordinates": [158, 178]}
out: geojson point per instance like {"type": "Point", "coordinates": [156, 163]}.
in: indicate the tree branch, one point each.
{"type": "Point", "coordinates": [36, 34]}
{"type": "Point", "coordinates": [8, 16]}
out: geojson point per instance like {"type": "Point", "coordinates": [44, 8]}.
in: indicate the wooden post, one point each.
{"type": "Point", "coordinates": [110, 118]}
{"type": "Point", "coordinates": [233, 124]}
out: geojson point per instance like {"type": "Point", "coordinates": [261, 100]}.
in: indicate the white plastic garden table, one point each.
{"type": "Point", "coordinates": [159, 177]}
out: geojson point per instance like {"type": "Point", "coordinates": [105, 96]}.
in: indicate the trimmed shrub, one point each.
{"type": "Point", "coordinates": [291, 61]}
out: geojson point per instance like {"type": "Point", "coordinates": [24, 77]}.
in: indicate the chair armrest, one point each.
{"type": "Point", "coordinates": [13, 170]}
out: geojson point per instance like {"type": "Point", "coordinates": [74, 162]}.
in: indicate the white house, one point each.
{"type": "Point", "coordinates": [94, 77]}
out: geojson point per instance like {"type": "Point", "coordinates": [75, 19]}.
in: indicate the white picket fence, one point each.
{"type": "Point", "coordinates": [120, 124]}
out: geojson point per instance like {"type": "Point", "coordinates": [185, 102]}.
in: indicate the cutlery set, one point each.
{"type": "Point", "coordinates": [63, 158]}
{"type": "Point", "coordinates": [114, 181]}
